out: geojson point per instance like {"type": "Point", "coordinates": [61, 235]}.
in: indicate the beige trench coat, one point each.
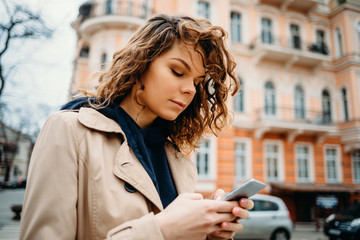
{"type": "Point", "coordinates": [80, 177]}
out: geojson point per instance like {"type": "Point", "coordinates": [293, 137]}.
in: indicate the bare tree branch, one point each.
{"type": "Point", "coordinates": [21, 24]}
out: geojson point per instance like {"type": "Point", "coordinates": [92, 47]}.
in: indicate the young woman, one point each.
{"type": "Point", "coordinates": [111, 165]}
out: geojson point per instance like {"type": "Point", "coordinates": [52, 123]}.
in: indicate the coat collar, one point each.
{"type": "Point", "coordinates": [91, 118]}
{"type": "Point", "coordinates": [128, 168]}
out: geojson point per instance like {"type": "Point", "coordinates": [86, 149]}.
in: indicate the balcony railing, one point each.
{"type": "Point", "coordinates": [292, 43]}
{"type": "Point", "coordinates": [118, 8]}
{"type": "Point", "coordinates": [284, 114]}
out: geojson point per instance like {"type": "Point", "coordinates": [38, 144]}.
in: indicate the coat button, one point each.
{"type": "Point", "coordinates": [129, 188]}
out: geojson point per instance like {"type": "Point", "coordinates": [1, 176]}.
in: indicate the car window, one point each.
{"type": "Point", "coordinates": [263, 205]}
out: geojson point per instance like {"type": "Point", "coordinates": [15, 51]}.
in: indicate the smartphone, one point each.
{"type": "Point", "coordinates": [246, 190]}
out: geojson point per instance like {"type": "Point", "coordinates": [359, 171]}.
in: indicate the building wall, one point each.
{"type": "Point", "coordinates": [257, 63]}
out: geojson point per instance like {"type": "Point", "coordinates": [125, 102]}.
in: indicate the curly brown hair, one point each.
{"type": "Point", "coordinates": [208, 111]}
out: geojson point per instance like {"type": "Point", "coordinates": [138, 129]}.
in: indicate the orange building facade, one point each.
{"type": "Point", "coordinates": [296, 123]}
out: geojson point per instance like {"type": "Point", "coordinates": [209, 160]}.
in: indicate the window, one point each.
{"type": "Point", "coordinates": [299, 103]}
{"type": "Point", "coordinates": [326, 107]}
{"type": "Point", "coordinates": [108, 7]}
{"type": "Point", "coordinates": [130, 8]}
{"type": "Point", "coordinates": [103, 61]}
{"type": "Point", "coordinates": [358, 33]}
{"type": "Point", "coordinates": [204, 9]}
{"type": "Point", "coordinates": [295, 36]}
{"type": "Point", "coordinates": [263, 205]}
{"type": "Point", "coordinates": [332, 167]}
{"type": "Point", "coordinates": [84, 52]}
{"type": "Point", "coordinates": [303, 163]}
{"type": "Point", "coordinates": [235, 30]}
{"type": "Point", "coordinates": [338, 40]}
{"type": "Point", "coordinates": [320, 42]}
{"type": "Point", "coordinates": [239, 98]}
{"type": "Point", "coordinates": [269, 99]}
{"type": "Point", "coordinates": [356, 165]}
{"type": "Point", "coordinates": [345, 104]}
{"type": "Point", "coordinates": [272, 161]}
{"type": "Point", "coordinates": [240, 160]}
{"type": "Point", "coordinates": [203, 160]}
{"type": "Point", "coordinates": [266, 31]}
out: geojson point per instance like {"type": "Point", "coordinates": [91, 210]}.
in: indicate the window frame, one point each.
{"type": "Point", "coordinates": [269, 33]}
{"type": "Point", "coordinates": [339, 43]}
{"type": "Point", "coordinates": [239, 106]}
{"type": "Point", "coordinates": [355, 172]}
{"type": "Point", "coordinates": [279, 163]}
{"type": "Point", "coordinates": [337, 166]}
{"type": "Point", "coordinates": [247, 158]}
{"type": "Point", "coordinates": [329, 106]}
{"type": "Point", "coordinates": [310, 165]}
{"type": "Point", "coordinates": [212, 161]}
{"type": "Point", "coordinates": [345, 104]}
{"type": "Point", "coordinates": [237, 24]}
{"type": "Point", "coordinates": [302, 108]}
{"type": "Point", "coordinates": [270, 93]}
{"type": "Point", "coordinates": [207, 11]}
{"type": "Point", "coordinates": [294, 36]}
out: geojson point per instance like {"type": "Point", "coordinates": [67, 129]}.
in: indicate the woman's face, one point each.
{"type": "Point", "coordinates": [170, 83]}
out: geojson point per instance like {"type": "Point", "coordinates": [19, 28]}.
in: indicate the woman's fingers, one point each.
{"type": "Point", "coordinates": [240, 213]}
{"type": "Point", "coordinates": [219, 194]}
{"type": "Point", "coordinates": [228, 230]}
{"type": "Point", "coordinates": [246, 203]}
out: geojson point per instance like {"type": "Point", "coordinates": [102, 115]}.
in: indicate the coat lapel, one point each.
{"type": "Point", "coordinates": [183, 170]}
{"type": "Point", "coordinates": [128, 168]}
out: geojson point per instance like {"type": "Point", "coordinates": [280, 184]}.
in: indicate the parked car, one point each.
{"type": "Point", "coordinates": [269, 219]}
{"type": "Point", "coordinates": [18, 183]}
{"type": "Point", "coordinates": [344, 225]}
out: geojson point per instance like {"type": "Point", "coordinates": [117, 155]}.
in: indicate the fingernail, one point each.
{"type": "Point", "coordinates": [243, 201]}
{"type": "Point", "coordinates": [218, 197]}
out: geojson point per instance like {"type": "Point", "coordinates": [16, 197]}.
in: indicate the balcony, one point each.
{"type": "Point", "coordinates": [289, 51]}
{"type": "Point", "coordinates": [350, 134]}
{"type": "Point", "coordinates": [107, 14]}
{"type": "Point", "coordinates": [293, 122]}
{"type": "Point", "coordinates": [302, 5]}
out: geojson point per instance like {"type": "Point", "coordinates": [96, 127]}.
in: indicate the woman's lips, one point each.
{"type": "Point", "coordinates": [179, 104]}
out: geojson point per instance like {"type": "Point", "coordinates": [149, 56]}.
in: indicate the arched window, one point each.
{"type": "Point", "coordinates": [345, 104]}
{"type": "Point", "coordinates": [239, 98]}
{"type": "Point", "coordinates": [270, 108]}
{"type": "Point", "coordinates": [266, 31]}
{"type": "Point", "coordinates": [235, 30]}
{"type": "Point", "coordinates": [326, 107]}
{"type": "Point", "coordinates": [295, 36]}
{"type": "Point", "coordinates": [338, 40]}
{"type": "Point", "coordinates": [299, 103]}
{"type": "Point", "coordinates": [84, 52]}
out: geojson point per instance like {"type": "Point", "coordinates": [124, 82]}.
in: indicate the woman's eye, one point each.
{"type": "Point", "coordinates": [176, 73]}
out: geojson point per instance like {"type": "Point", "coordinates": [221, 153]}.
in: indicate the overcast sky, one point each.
{"type": "Point", "coordinates": [43, 68]}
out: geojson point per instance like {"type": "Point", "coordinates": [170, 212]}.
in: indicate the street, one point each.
{"type": "Point", "coordinates": [9, 229]}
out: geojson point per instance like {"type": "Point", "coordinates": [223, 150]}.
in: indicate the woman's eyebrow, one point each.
{"type": "Point", "coordinates": [183, 62]}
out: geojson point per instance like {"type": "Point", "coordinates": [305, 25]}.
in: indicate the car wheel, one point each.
{"type": "Point", "coordinates": [280, 234]}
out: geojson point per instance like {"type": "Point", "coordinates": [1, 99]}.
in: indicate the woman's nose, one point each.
{"type": "Point", "coordinates": [188, 87]}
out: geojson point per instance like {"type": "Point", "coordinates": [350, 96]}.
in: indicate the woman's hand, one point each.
{"type": "Point", "coordinates": [228, 229]}
{"type": "Point", "coordinates": [191, 217]}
